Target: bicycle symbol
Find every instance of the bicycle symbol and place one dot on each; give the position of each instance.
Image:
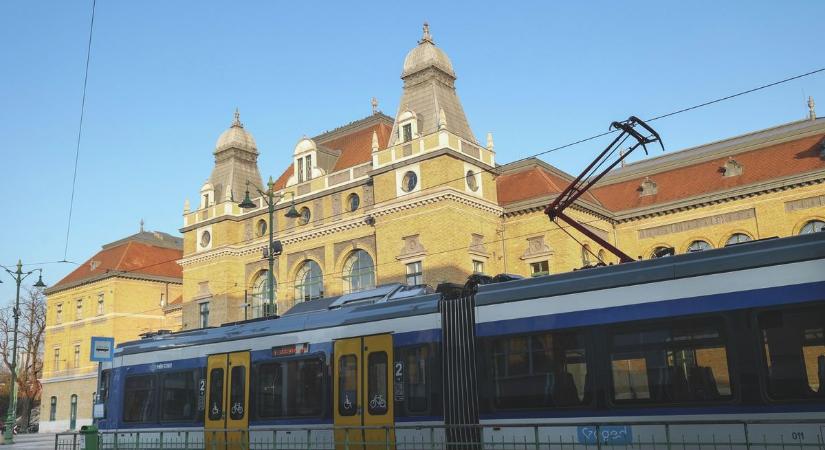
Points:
(237, 409)
(347, 403)
(378, 402)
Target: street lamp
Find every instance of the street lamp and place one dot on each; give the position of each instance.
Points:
(274, 248)
(18, 276)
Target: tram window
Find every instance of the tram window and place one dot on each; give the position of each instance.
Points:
(540, 370)
(377, 383)
(216, 394)
(237, 392)
(138, 399)
(347, 385)
(104, 386)
(177, 396)
(794, 346)
(290, 389)
(685, 362)
(415, 367)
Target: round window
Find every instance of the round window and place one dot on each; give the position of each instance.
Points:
(206, 238)
(472, 181)
(261, 227)
(305, 216)
(409, 181)
(353, 201)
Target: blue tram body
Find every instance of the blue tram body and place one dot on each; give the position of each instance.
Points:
(733, 333)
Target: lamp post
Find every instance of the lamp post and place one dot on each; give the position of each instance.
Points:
(18, 276)
(272, 250)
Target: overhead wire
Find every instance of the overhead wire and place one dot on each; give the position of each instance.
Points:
(551, 150)
(79, 131)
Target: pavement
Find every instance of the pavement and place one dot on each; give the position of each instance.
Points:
(33, 441)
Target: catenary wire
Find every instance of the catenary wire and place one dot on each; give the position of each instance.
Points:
(79, 131)
(551, 150)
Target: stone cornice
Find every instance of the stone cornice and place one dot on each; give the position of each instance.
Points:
(404, 203)
(112, 274)
(540, 203)
(433, 154)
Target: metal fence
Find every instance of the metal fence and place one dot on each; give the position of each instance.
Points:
(718, 435)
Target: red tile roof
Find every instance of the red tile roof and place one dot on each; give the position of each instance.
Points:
(355, 147)
(130, 257)
(760, 165)
(534, 182)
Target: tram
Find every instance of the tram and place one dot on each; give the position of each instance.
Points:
(728, 342)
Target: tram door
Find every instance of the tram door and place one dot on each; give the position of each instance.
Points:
(226, 425)
(363, 393)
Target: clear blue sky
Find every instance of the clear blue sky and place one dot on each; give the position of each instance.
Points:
(166, 76)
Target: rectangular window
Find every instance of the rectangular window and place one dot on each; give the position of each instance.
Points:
(216, 394)
(377, 383)
(681, 362)
(56, 361)
(308, 168)
(138, 398)
(100, 304)
(300, 170)
(415, 275)
(539, 268)
(415, 367)
(290, 389)
(407, 132)
(59, 313)
(794, 352)
(77, 356)
(348, 385)
(177, 396)
(540, 370)
(204, 314)
(53, 409)
(478, 266)
(79, 310)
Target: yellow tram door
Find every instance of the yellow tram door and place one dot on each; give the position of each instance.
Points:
(363, 393)
(226, 425)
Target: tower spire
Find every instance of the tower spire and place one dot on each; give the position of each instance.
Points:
(426, 37)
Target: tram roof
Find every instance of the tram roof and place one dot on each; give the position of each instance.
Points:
(396, 300)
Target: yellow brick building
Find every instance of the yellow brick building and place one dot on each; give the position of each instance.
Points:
(130, 287)
(416, 199)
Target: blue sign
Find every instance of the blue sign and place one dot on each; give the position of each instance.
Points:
(605, 434)
(103, 349)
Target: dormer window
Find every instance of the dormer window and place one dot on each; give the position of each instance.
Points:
(407, 126)
(732, 168)
(303, 163)
(648, 187)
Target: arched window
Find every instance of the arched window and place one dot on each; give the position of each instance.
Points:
(260, 294)
(698, 246)
(737, 238)
(814, 226)
(359, 272)
(602, 257)
(309, 282)
(662, 251)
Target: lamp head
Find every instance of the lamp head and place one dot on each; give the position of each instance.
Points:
(40, 283)
(292, 213)
(247, 202)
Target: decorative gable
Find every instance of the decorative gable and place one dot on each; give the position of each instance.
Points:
(732, 168)
(648, 187)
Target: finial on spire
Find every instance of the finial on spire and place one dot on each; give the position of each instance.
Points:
(374, 103)
(442, 119)
(186, 207)
(141, 225)
(374, 141)
(490, 145)
(811, 108)
(426, 37)
(237, 121)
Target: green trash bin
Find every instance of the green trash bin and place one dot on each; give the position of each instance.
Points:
(90, 437)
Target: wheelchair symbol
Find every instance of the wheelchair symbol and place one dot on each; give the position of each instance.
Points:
(347, 402)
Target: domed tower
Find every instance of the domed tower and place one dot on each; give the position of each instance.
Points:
(236, 162)
(429, 102)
